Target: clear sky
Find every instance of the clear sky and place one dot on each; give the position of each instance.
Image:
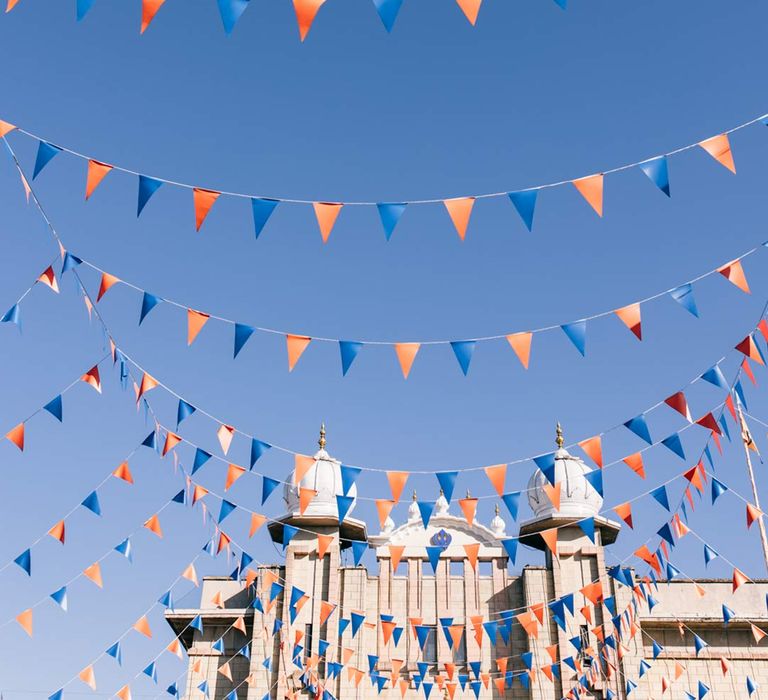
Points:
(436, 109)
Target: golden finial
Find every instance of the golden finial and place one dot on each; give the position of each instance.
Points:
(497, 509)
(442, 493)
(321, 441)
(469, 495)
(414, 495)
(559, 440)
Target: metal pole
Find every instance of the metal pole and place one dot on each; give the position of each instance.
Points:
(746, 439)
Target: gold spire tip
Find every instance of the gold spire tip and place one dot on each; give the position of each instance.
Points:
(559, 439)
(321, 441)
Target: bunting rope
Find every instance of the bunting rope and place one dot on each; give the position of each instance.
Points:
(326, 212)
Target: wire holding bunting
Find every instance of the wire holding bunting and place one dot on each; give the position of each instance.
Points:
(463, 350)
(459, 209)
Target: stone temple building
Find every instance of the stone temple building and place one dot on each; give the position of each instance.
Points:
(461, 624)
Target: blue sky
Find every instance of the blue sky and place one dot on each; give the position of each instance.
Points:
(436, 109)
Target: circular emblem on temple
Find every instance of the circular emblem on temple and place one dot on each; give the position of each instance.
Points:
(440, 539)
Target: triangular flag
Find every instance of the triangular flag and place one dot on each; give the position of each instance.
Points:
(305, 498)
(242, 334)
(389, 213)
(147, 185)
(497, 475)
(719, 147)
(301, 465)
(553, 493)
(395, 554)
(148, 302)
(25, 620)
(48, 278)
(593, 447)
(397, 482)
(16, 436)
(591, 188)
(550, 539)
(195, 322)
(58, 531)
(734, 273)
(630, 317)
(469, 508)
(257, 521)
(296, 345)
(460, 210)
(657, 171)
(525, 203)
(225, 433)
(406, 354)
(107, 281)
(45, 153)
(463, 349)
(635, 463)
(149, 9)
(203, 201)
(624, 511)
(384, 507)
(683, 295)
(306, 11)
(230, 11)
(470, 8)
(142, 626)
(326, 214)
(234, 472)
(93, 572)
(96, 173)
(153, 525)
(577, 334)
(88, 677)
(349, 350)
(472, 551)
(521, 344)
(262, 209)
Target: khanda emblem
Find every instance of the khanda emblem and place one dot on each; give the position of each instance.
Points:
(440, 539)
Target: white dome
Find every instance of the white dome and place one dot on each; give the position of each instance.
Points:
(441, 504)
(498, 526)
(324, 476)
(413, 510)
(577, 497)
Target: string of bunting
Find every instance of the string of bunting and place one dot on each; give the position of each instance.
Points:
(459, 209)
(306, 11)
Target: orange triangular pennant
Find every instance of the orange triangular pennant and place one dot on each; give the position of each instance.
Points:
(5, 127)
(635, 463)
(96, 173)
(521, 344)
(171, 440)
(25, 620)
(88, 677)
(593, 447)
(326, 214)
(323, 542)
(16, 436)
(469, 508)
(107, 281)
(470, 8)
(203, 200)
(225, 433)
(397, 483)
(305, 498)
(190, 574)
(125, 692)
(472, 551)
(93, 572)
(296, 345)
(630, 317)
(497, 475)
(147, 384)
(301, 465)
(149, 9)
(752, 514)
(58, 531)
(48, 278)
(234, 472)
(550, 539)
(624, 511)
(326, 610)
(142, 625)
(719, 147)
(406, 354)
(395, 554)
(306, 11)
(124, 473)
(460, 210)
(734, 273)
(591, 188)
(384, 506)
(195, 322)
(553, 493)
(257, 521)
(757, 633)
(153, 525)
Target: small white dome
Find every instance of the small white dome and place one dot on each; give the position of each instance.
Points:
(577, 497)
(413, 510)
(324, 476)
(441, 505)
(498, 526)
(389, 526)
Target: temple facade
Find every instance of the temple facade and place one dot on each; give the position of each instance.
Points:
(443, 616)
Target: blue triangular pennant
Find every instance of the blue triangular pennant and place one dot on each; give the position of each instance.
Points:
(226, 509)
(262, 210)
(242, 333)
(258, 448)
(289, 531)
(389, 213)
(184, 411)
(55, 408)
(426, 508)
(91, 502)
(358, 549)
(709, 554)
(525, 203)
(639, 427)
(658, 173)
(24, 560)
(343, 504)
(348, 350)
(510, 546)
(116, 653)
(674, 444)
(148, 302)
(660, 494)
(587, 526)
(45, 153)
(512, 502)
(595, 479)
(447, 483)
(433, 553)
(147, 187)
(577, 334)
(60, 597)
(463, 349)
(231, 11)
(348, 477)
(268, 485)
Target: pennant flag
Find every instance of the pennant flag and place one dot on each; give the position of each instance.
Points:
(406, 354)
(433, 554)
(242, 334)
(525, 203)
(16, 436)
(258, 448)
(389, 213)
(577, 334)
(306, 11)
(149, 9)
(709, 554)
(658, 172)
(201, 457)
(301, 465)
(349, 350)
(93, 572)
(384, 508)
(512, 502)
(203, 200)
(288, 533)
(24, 560)
(660, 494)
(195, 322)
(48, 278)
(348, 477)
(45, 153)
(674, 444)
(593, 448)
(171, 440)
(683, 295)
(256, 522)
(624, 511)
(147, 185)
(550, 539)
(469, 508)
(142, 626)
(635, 463)
(226, 509)
(91, 502)
(751, 686)
(13, 315)
(463, 349)
(262, 209)
(358, 549)
(343, 504)
(58, 531)
(460, 210)
(739, 578)
(521, 344)
(591, 188)
(296, 345)
(148, 302)
(472, 551)
(234, 472)
(639, 427)
(553, 493)
(752, 515)
(326, 214)
(719, 148)
(497, 475)
(225, 433)
(470, 8)
(748, 347)
(230, 11)
(718, 489)
(96, 173)
(116, 652)
(191, 575)
(107, 282)
(87, 675)
(630, 317)
(447, 482)
(595, 479)
(425, 509)
(153, 525)
(397, 482)
(734, 273)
